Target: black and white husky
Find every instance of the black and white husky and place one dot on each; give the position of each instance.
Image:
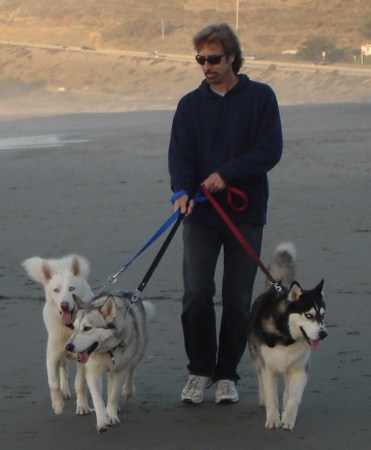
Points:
(284, 326)
(110, 338)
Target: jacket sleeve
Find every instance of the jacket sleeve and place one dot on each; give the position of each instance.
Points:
(182, 151)
(267, 149)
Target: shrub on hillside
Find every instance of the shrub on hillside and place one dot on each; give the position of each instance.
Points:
(366, 28)
(13, 87)
(319, 48)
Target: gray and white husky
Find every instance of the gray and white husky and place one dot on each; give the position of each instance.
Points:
(284, 326)
(61, 279)
(110, 337)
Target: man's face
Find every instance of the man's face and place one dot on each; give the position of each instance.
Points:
(216, 74)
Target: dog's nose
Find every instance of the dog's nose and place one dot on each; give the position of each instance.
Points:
(69, 347)
(65, 306)
(322, 334)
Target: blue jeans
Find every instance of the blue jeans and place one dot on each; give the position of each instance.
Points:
(202, 246)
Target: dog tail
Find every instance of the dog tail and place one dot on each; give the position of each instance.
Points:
(149, 308)
(283, 263)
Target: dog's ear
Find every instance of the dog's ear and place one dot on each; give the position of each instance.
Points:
(47, 271)
(38, 269)
(108, 309)
(79, 266)
(319, 287)
(78, 302)
(295, 292)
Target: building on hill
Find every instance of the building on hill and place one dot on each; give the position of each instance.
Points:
(365, 53)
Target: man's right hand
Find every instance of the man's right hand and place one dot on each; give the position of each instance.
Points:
(184, 204)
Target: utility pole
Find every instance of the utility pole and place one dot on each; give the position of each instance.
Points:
(162, 28)
(237, 12)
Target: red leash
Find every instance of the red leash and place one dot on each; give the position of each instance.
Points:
(234, 229)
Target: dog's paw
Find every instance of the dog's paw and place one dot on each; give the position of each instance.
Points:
(57, 401)
(114, 419)
(128, 392)
(65, 390)
(287, 422)
(287, 426)
(112, 413)
(58, 409)
(271, 425)
(103, 426)
(273, 421)
(83, 410)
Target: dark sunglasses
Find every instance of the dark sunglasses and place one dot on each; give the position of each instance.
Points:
(212, 59)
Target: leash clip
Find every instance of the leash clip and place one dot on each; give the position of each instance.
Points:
(276, 286)
(135, 297)
(113, 278)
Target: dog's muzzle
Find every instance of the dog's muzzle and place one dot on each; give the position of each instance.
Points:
(314, 344)
(66, 314)
(82, 357)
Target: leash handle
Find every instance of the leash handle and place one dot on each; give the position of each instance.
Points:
(238, 234)
(231, 190)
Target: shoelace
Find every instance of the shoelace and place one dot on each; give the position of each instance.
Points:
(196, 383)
(226, 387)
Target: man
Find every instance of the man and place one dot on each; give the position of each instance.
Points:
(225, 133)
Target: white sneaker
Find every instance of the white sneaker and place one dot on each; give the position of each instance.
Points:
(226, 392)
(194, 390)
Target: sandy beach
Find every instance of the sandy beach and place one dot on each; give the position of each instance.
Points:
(97, 185)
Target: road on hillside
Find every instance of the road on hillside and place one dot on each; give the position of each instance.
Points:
(341, 69)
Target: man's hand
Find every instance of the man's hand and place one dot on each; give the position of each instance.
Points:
(184, 204)
(214, 183)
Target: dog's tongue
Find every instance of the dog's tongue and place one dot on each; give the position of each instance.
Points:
(314, 345)
(66, 317)
(83, 357)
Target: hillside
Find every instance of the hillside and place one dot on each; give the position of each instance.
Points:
(265, 28)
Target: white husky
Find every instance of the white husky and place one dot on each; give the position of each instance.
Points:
(110, 337)
(61, 279)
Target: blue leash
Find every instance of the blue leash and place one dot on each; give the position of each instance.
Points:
(157, 234)
(176, 216)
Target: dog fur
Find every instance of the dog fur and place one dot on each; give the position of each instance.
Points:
(284, 326)
(61, 279)
(110, 337)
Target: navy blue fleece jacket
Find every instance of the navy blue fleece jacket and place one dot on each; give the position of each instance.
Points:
(238, 135)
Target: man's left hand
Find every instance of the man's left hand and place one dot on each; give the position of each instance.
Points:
(214, 183)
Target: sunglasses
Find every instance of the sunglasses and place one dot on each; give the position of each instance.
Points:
(212, 59)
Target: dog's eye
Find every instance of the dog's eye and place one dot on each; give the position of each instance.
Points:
(71, 289)
(56, 290)
(87, 328)
(309, 316)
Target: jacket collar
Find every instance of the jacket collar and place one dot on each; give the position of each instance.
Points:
(205, 88)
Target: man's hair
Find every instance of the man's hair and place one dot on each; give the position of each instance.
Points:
(223, 34)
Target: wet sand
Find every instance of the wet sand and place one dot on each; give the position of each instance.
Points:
(97, 185)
